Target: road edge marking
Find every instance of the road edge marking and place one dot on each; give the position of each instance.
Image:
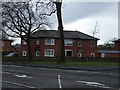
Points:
(18, 84)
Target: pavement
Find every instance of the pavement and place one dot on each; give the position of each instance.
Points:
(87, 68)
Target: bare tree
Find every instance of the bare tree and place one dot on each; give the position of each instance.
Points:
(58, 4)
(21, 19)
(95, 31)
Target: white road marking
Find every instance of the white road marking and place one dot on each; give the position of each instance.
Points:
(22, 76)
(18, 84)
(19, 75)
(59, 81)
(95, 84)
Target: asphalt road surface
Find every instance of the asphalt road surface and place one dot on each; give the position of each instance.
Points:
(33, 77)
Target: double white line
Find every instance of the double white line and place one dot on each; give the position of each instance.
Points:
(59, 82)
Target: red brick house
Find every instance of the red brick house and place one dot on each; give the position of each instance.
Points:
(5, 44)
(16, 48)
(111, 53)
(47, 43)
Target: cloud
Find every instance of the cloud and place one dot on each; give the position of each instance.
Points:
(72, 11)
(83, 16)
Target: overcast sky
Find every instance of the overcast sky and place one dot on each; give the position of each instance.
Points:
(82, 16)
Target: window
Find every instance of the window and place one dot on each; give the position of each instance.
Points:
(92, 43)
(49, 53)
(37, 53)
(68, 42)
(102, 55)
(2, 43)
(92, 55)
(80, 43)
(37, 42)
(79, 54)
(68, 52)
(24, 53)
(49, 41)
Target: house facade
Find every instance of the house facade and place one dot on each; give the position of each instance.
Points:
(5, 44)
(47, 43)
(111, 53)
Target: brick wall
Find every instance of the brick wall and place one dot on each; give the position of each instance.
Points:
(86, 47)
(117, 46)
(7, 45)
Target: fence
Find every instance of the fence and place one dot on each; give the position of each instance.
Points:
(67, 59)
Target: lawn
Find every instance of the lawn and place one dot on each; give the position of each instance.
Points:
(77, 63)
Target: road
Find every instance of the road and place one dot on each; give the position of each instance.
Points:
(14, 76)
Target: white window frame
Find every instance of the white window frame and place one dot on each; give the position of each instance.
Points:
(103, 55)
(68, 50)
(51, 53)
(37, 53)
(80, 45)
(79, 54)
(37, 42)
(23, 53)
(52, 41)
(93, 54)
(68, 41)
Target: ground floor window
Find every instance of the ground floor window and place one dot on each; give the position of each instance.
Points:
(49, 53)
(24, 53)
(37, 53)
(79, 54)
(92, 54)
(68, 52)
(102, 55)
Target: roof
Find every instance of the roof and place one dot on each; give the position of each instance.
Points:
(67, 34)
(5, 39)
(117, 40)
(107, 51)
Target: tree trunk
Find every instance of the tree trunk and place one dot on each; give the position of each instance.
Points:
(60, 28)
(29, 50)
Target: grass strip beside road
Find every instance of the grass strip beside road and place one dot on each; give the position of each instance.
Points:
(77, 63)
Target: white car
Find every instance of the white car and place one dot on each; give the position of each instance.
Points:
(9, 55)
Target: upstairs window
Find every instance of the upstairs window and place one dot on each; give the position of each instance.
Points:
(80, 43)
(49, 41)
(68, 42)
(37, 42)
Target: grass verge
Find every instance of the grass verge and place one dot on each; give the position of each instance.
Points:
(77, 63)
